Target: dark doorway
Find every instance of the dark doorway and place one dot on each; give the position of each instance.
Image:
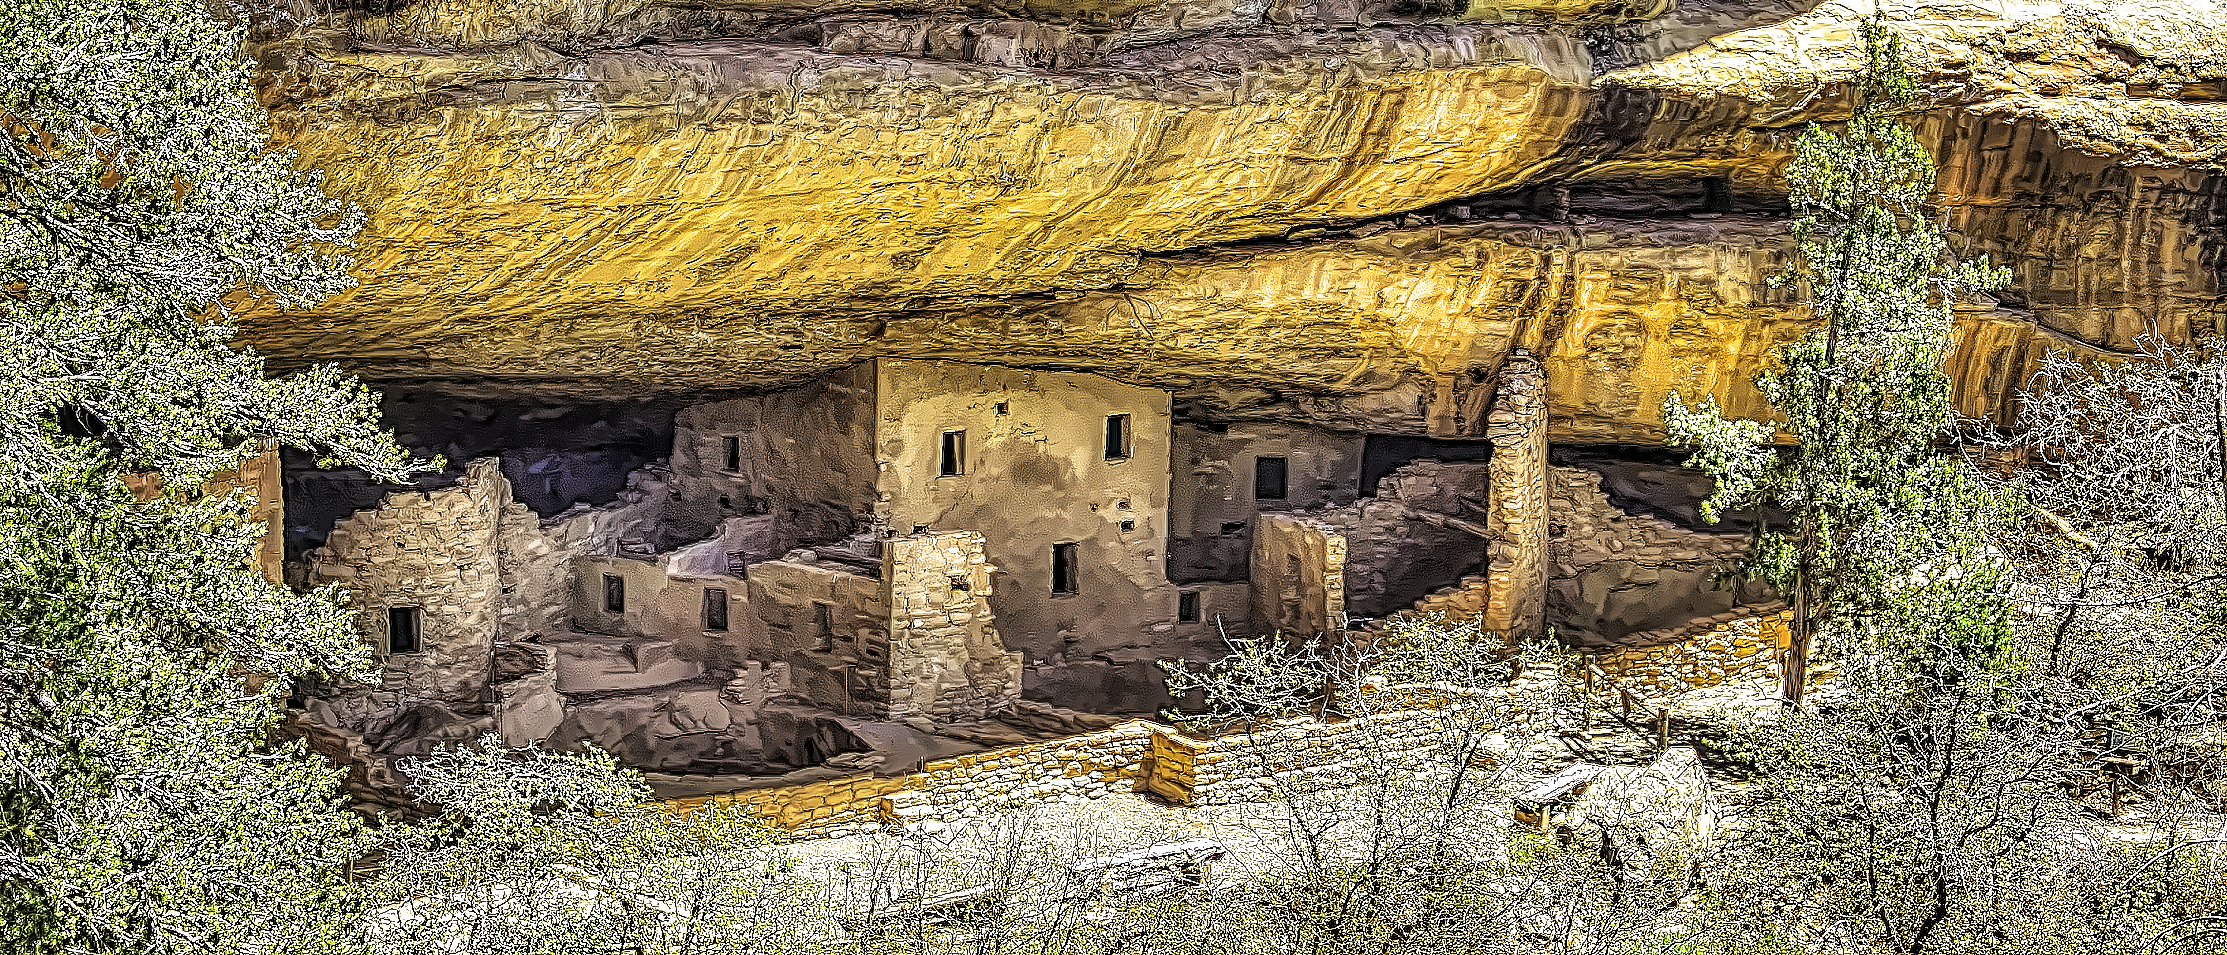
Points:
(402, 629)
(1271, 479)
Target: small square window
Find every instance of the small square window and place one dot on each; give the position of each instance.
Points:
(952, 462)
(959, 583)
(730, 453)
(402, 629)
(1187, 606)
(1127, 526)
(614, 593)
(1065, 580)
(1117, 437)
(715, 608)
(1271, 478)
(1003, 407)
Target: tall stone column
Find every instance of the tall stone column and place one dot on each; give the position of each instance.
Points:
(1517, 427)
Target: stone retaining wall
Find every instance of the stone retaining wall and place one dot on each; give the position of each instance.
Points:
(1298, 753)
(1743, 648)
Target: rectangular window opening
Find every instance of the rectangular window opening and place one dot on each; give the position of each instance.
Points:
(1064, 578)
(730, 453)
(715, 608)
(614, 593)
(823, 623)
(402, 629)
(1117, 437)
(953, 461)
(1187, 606)
(1004, 407)
(1271, 477)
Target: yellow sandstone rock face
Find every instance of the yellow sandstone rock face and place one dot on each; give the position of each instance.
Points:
(728, 179)
(1294, 209)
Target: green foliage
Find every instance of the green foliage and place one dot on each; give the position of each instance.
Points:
(1864, 397)
(145, 805)
(538, 852)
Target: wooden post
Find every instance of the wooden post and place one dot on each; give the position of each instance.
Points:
(2113, 780)
(1625, 696)
(1590, 666)
(1662, 729)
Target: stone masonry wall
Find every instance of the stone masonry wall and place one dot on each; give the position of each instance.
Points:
(1738, 649)
(1460, 603)
(537, 555)
(434, 550)
(1298, 575)
(1517, 427)
(1624, 579)
(1423, 530)
(945, 660)
(1138, 755)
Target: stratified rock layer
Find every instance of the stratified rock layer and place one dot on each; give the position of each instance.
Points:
(1277, 210)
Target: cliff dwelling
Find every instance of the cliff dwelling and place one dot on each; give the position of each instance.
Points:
(826, 391)
(906, 559)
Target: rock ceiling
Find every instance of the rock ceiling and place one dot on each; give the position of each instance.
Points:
(1344, 211)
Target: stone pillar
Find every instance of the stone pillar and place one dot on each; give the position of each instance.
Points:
(1517, 428)
(946, 663)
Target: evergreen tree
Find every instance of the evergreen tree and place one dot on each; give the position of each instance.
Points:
(142, 804)
(1864, 397)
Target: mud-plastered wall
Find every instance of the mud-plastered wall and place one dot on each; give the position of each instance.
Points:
(831, 625)
(1217, 471)
(803, 456)
(1298, 576)
(1071, 504)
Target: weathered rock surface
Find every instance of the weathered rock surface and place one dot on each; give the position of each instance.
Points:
(1273, 208)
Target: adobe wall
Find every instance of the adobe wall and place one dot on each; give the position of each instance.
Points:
(435, 550)
(1210, 492)
(945, 660)
(1298, 575)
(1037, 475)
(807, 460)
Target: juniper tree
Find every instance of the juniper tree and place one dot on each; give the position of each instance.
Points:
(142, 804)
(1864, 397)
